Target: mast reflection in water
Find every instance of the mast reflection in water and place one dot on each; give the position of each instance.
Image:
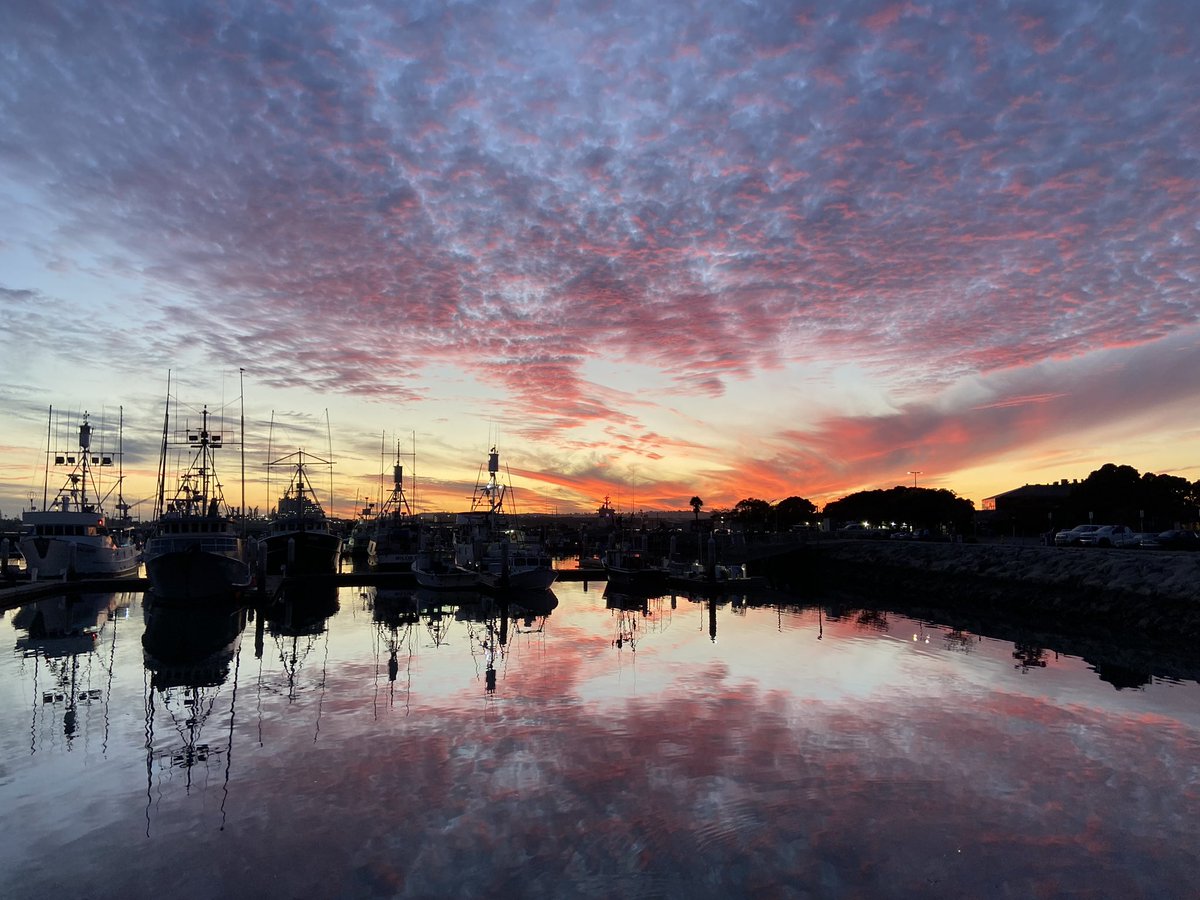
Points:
(188, 651)
(389, 741)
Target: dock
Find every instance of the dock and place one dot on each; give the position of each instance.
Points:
(21, 591)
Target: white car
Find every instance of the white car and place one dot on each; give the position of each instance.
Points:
(1072, 537)
(1110, 536)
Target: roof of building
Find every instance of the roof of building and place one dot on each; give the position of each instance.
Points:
(1057, 491)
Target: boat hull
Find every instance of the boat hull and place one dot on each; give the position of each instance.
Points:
(636, 579)
(302, 552)
(57, 557)
(518, 579)
(441, 574)
(193, 573)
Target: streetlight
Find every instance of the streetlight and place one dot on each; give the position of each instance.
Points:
(914, 475)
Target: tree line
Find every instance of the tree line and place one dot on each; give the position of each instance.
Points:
(1113, 494)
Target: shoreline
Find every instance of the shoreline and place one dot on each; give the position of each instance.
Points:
(1152, 595)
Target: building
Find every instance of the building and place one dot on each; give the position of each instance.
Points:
(1031, 508)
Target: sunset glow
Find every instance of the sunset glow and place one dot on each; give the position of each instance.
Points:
(648, 251)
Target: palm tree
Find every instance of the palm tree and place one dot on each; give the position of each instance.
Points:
(695, 503)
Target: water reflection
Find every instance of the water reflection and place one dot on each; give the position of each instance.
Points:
(637, 614)
(297, 622)
(188, 651)
(72, 663)
(397, 617)
(814, 746)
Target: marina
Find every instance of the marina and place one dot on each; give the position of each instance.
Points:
(802, 398)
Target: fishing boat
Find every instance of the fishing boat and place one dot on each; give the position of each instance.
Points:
(632, 568)
(718, 578)
(197, 550)
(358, 543)
(486, 543)
(393, 546)
(300, 541)
(71, 535)
(436, 569)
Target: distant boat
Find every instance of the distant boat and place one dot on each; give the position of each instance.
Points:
(72, 535)
(633, 568)
(300, 541)
(436, 569)
(196, 551)
(719, 578)
(486, 543)
(358, 543)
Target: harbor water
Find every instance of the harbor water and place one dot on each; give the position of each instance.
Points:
(368, 742)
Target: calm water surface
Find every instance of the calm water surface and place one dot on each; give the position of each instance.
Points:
(374, 743)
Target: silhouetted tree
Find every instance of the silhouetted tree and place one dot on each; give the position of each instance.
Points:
(794, 510)
(751, 511)
(1119, 495)
(919, 507)
(695, 503)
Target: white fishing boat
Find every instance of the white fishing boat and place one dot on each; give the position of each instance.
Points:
(437, 570)
(486, 543)
(71, 535)
(197, 550)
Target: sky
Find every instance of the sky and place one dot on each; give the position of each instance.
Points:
(649, 251)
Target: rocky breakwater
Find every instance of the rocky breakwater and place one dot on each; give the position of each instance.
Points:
(1155, 593)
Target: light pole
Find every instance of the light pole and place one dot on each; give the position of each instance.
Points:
(914, 474)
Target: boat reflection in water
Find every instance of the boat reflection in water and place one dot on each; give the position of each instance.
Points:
(297, 620)
(188, 644)
(188, 649)
(72, 661)
(492, 619)
(636, 612)
(397, 616)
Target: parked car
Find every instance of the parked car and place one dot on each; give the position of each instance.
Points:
(1069, 537)
(1109, 536)
(858, 530)
(1178, 539)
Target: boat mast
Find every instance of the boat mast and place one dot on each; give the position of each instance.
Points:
(49, 451)
(270, 438)
(85, 449)
(205, 461)
(329, 435)
(160, 500)
(122, 506)
(242, 441)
